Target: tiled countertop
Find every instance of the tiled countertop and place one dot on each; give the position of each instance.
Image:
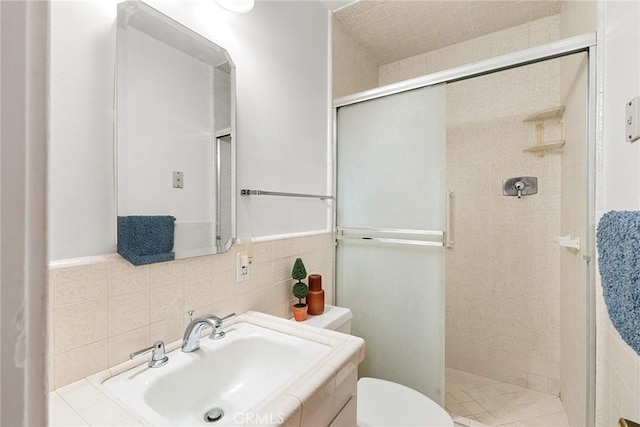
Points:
(86, 402)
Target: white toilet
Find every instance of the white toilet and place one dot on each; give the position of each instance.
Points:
(380, 402)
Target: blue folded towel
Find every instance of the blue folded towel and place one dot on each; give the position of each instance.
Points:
(618, 240)
(146, 239)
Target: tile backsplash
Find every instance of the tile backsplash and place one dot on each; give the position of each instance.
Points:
(103, 308)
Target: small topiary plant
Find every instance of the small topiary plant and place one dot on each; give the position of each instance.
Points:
(300, 290)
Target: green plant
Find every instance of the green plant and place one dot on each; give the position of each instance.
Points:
(300, 290)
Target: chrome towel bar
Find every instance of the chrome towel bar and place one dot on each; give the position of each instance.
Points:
(246, 192)
(364, 234)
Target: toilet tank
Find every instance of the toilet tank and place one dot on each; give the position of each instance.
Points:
(334, 318)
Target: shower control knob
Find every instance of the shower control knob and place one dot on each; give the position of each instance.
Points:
(519, 186)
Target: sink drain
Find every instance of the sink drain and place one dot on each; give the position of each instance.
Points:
(213, 415)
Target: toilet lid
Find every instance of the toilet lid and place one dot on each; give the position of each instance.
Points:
(384, 403)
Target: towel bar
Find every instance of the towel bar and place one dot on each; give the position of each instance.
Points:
(246, 192)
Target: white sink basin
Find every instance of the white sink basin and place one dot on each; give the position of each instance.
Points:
(238, 374)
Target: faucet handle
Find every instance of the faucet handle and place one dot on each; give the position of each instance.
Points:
(217, 332)
(217, 321)
(158, 356)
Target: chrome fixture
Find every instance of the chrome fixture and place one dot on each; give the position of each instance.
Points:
(158, 357)
(413, 236)
(246, 192)
(191, 339)
(217, 331)
(520, 186)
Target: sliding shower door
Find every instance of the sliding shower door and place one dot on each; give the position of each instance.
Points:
(390, 222)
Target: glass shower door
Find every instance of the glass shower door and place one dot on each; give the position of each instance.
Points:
(390, 220)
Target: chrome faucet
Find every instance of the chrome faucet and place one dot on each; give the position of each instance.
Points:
(217, 331)
(191, 339)
(158, 356)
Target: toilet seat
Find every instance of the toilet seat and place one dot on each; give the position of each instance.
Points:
(384, 403)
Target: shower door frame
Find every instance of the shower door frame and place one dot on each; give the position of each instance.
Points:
(586, 43)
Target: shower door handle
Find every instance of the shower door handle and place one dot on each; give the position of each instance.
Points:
(448, 238)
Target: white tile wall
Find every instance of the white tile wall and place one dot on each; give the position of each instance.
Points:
(103, 308)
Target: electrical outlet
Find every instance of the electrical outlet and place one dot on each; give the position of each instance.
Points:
(242, 267)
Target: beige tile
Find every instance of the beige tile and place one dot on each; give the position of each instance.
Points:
(199, 266)
(280, 248)
(458, 409)
(226, 261)
(538, 383)
(81, 394)
(558, 419)
(473, 407)
(74, 420)
(59, 409)
(493, 403)
(167, 330)
(502, 416)
(263, 252)
(79, 363)
(166, 272)
(460, 396)
(128, 311)
(263, 274)
(125, 277)
(129, 422)
(198, 292)
(121, 346)
(282, 269)
(80, 284)
(106, 413)
(449, 399)
(168, 301)
(223, 285)
(264, 300)
(78, 325)
(475, 394)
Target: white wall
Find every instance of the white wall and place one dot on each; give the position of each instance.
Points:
(618, 366)
(281, 54)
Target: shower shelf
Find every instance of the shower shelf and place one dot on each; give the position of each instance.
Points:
(551, 113)
(547, 146)
(541, 147)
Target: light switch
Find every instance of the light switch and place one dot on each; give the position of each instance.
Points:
(178, 179)
(632, 119)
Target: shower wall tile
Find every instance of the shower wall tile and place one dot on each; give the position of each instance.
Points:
(354, 70)
(502, 276)
(523, 36)
(104, 308)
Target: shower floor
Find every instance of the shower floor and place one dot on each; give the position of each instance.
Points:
(495, 403)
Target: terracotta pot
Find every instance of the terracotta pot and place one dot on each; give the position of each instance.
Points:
(300, 313)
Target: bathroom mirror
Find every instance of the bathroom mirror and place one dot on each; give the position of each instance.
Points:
(175, 139)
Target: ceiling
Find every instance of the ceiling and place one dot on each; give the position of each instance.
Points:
(391, 30)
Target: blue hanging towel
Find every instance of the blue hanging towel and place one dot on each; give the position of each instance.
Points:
(146, 239)
(618, 240)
